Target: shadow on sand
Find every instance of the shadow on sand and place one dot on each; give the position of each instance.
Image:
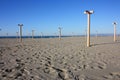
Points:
(105, 43)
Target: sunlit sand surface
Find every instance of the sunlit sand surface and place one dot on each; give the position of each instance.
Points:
(65, 59)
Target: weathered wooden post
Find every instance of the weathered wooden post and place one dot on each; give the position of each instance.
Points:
(114, 23)
(20, 25)
(59, 33)
(88, 28)
(33, 34)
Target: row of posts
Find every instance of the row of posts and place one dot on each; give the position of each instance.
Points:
(88, 29)
(20, 25)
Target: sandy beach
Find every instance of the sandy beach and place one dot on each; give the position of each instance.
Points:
(65, 59)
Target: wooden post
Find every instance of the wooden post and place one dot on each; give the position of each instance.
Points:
(17, 35)
(59, 33)
(6, 35)
(96, 34)
(88, 27)
(41, 34)
(20, 25)
(32, 34)
(88, 32)
(114, 31)
(72, 34)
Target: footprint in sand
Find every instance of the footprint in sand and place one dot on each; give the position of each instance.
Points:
(98, 65)
(113, 76)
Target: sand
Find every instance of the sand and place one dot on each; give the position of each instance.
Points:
(54, 59)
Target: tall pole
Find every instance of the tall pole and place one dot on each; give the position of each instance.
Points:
(6, 35)
(41, 34)
(17, 35)
(54, 34)
(88, 31)
(32, 34)
(114, 31)
(88, 27)
(0, 30)
(85, 34)
(20, 25)
(59, 33)
(72, 34)
(96, 34)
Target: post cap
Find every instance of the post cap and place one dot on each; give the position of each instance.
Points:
(89, 12)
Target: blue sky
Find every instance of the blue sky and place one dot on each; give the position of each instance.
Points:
(46, 15)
